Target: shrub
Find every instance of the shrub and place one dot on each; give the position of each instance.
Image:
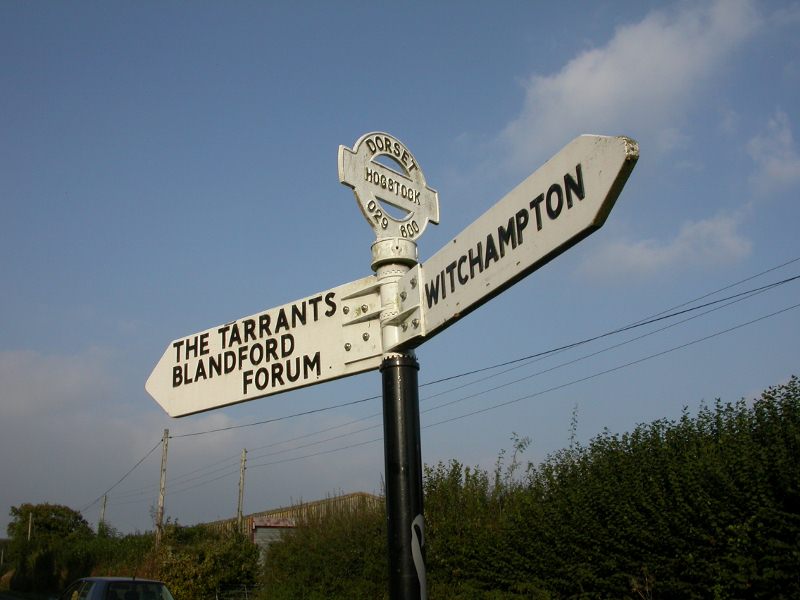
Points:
(339, 555)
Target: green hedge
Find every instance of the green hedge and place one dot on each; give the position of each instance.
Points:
(707, 506)
(341, 555)
(195, 562)
(702, 507)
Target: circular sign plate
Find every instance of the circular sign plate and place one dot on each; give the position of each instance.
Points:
(376, 185)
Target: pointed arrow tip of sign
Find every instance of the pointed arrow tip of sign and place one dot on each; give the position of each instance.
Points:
(631, 147)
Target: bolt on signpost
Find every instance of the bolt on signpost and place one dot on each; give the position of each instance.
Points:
(376, 322)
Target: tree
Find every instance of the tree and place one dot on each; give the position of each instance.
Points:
(56, 549)
(50, 521)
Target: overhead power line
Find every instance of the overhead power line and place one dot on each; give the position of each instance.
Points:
(542, 392)
(276, 419)
(519, 362)
(616, 368)
(121, 479)
(664, 315)
(740, 298)
(513, 364)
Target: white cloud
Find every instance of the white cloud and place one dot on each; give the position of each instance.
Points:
(643, 82)
(638, 84)
(35, 384)
(729, 122)
(710, 242)
(775, 155)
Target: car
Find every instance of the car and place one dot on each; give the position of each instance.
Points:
(116, 588)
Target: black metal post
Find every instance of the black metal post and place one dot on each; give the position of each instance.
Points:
(403, 458)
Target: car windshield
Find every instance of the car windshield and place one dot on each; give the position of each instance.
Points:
(137, 590)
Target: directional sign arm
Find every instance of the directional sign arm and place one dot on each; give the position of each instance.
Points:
(319, 338)
(560, 204)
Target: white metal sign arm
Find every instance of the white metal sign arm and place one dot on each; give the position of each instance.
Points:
(561, 203)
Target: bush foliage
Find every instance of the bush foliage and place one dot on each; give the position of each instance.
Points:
(195, 562)
(56, 550)
(702, 507)
(707, 506)
(340, 555)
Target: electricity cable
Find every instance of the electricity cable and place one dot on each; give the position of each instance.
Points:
(121, 479)
(656, 318)
(666, 314)
(515, 400)
(527, 377)
(545, 391)
(517, 362)
(613, 369)
(590, 355)
(733, 299)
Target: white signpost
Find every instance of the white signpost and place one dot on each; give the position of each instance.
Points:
(320, 338)
(338, 332)
(556, 207)
(376, 322)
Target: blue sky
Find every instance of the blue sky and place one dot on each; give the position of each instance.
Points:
(165, 168)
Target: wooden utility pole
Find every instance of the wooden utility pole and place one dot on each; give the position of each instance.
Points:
(241, 490)
(103, 511)
(30, 524)
(162, 488)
